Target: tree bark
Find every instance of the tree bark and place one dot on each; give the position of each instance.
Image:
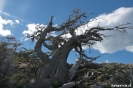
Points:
(56, 68)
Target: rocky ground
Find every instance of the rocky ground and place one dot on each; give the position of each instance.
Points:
(90, 75)
(102, 75)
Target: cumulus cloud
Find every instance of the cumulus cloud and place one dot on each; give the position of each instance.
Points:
(129, 48)
(3, 24)
(118, 41)
(17, 21)
(31, 29)
(5, 32)
(111, 44)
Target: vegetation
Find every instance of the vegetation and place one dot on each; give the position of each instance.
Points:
(104, 75)
(24, 70)
(17, 68)
(38, 69)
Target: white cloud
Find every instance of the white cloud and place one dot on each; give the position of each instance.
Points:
(31, 29)
(5, 32)
(3, 24)
(17, 21)
(118, 42)
(68, 35)
(111, 44)
(129, 48)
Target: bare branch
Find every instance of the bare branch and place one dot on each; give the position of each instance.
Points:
(50, 47)
(51, 23)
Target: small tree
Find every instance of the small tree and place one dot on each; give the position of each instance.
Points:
(29, 57)
(55, 68)
(8, 46)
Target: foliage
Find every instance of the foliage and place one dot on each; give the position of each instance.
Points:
(27, 66)
(57, 84)
(23, 66)
(18, 80)
(8, 46)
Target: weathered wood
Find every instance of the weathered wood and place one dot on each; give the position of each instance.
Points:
(55, 68)
(68, 85)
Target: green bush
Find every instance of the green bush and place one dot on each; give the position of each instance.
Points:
(57, 84)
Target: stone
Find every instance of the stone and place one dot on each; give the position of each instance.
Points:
(68, 85)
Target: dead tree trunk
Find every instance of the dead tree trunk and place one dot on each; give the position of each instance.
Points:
(55, 69)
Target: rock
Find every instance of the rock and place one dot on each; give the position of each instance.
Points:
(68, 85)
(95, 86)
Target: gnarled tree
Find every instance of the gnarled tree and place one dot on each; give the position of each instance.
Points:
(55, 64)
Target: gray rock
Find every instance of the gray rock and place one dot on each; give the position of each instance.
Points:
(68, 85)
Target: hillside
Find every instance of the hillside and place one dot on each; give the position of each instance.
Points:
(104, 75)
(100, 74)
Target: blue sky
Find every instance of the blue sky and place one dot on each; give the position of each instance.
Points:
(20, 17)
